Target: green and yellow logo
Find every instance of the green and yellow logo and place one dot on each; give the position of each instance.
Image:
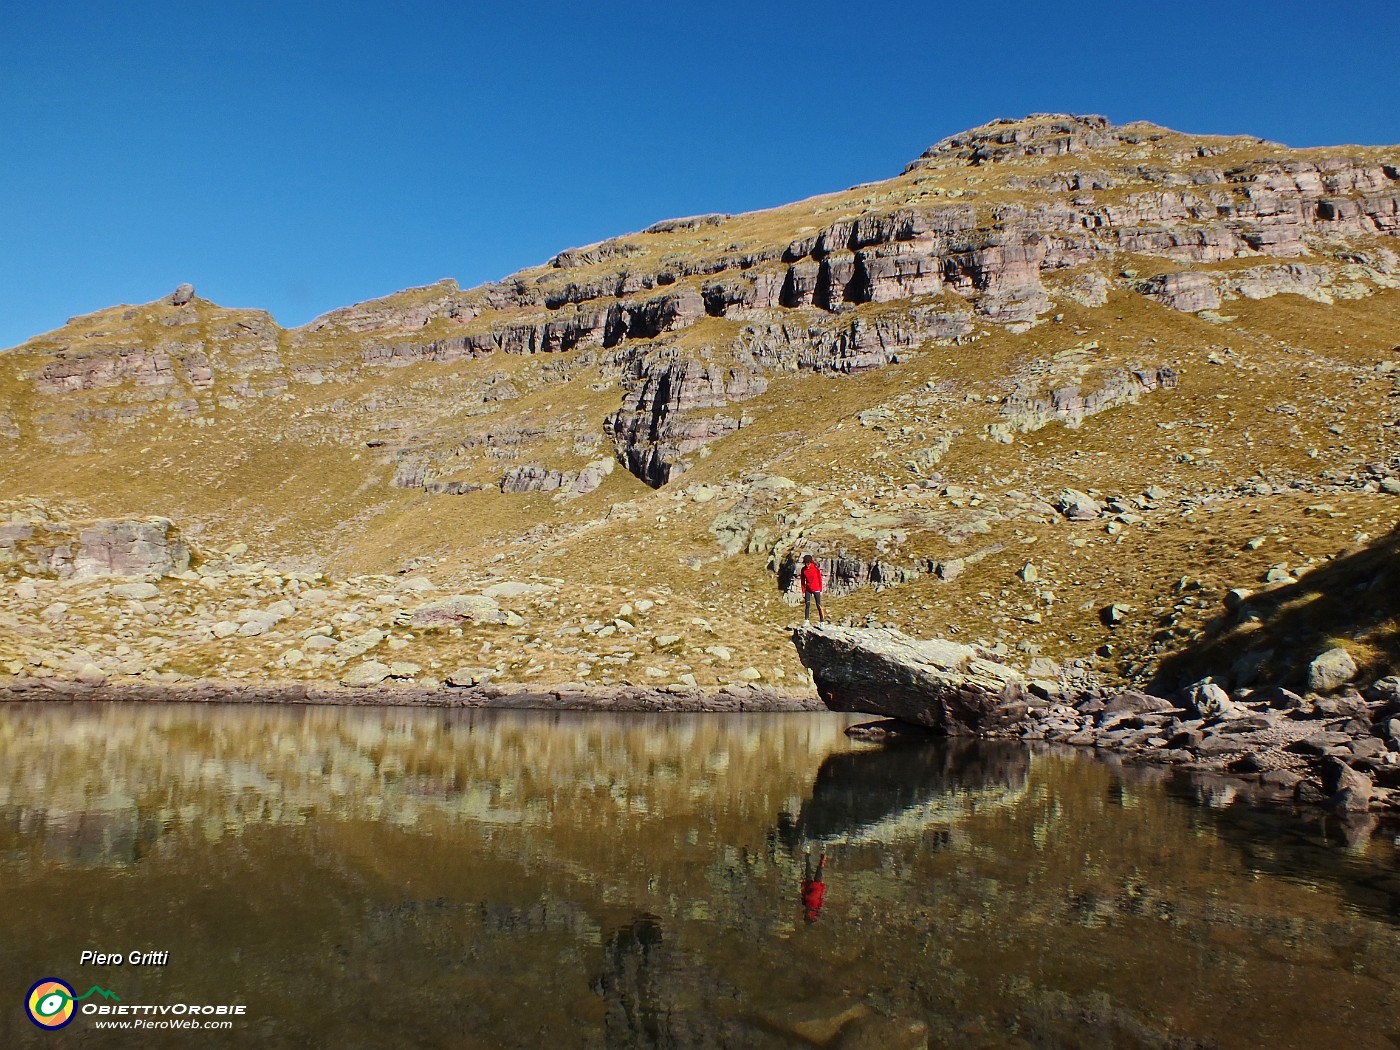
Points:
(50, 1002)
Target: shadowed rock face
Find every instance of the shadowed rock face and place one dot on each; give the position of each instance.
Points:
(952, 688)
(661, 419)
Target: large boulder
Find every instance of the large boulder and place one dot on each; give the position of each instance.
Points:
(1078, 506)
(458, 609)
(949, 687)
(1130, 701)
(1330, 671)
(131, 548)
(363, 676)
(1206, 699)
(358, 645)
(1346, 788)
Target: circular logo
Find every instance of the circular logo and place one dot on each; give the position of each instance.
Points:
(50, 1003)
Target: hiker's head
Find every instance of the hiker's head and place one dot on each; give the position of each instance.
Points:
(806, 559)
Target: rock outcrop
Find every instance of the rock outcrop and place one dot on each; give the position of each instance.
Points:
(1026, 412)
(814, 342)
(674, 408)
(131, 548)
(844, 573)
(534, 478)
(110, 547)
(955, 689)
(456, 610)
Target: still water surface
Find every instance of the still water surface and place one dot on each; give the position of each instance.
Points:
(416, 878)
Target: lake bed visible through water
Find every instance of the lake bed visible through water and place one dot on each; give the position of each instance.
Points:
(390, 877)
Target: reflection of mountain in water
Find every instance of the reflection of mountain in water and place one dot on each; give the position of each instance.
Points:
(94, 785)
(610, 883)
(892, 792)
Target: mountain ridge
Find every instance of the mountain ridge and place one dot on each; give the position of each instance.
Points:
(1040, 134)
(905, 378)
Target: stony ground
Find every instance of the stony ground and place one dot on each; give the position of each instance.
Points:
(236, 620)
(1341, 751)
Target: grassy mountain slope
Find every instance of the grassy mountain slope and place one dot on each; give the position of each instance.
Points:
(902, 379)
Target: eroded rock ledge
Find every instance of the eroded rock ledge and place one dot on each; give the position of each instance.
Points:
(953, 688)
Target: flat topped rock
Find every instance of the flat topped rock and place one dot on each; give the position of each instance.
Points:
(950, 687)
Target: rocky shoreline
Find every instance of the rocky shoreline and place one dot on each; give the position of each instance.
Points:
(620, 700)
(1336, 751)
(1339, 749)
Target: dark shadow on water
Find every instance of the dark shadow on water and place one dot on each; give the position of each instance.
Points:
(659, 996)
(635, 1009)
(858, 792)
(1351, 855)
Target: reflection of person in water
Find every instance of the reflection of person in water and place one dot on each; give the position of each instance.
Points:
(813, 889)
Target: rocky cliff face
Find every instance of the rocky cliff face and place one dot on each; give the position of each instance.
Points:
(661, 419)
(1193, 335)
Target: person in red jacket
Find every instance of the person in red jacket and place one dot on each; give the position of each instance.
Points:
(813, 890)
(811, 588)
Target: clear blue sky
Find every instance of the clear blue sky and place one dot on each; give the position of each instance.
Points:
(302, 155)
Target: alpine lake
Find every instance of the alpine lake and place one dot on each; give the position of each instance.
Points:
(395, 877)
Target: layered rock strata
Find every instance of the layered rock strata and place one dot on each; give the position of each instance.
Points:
(676, 407)
(1080, 205)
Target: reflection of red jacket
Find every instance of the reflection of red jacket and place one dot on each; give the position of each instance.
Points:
(811, 579)
(813, 897)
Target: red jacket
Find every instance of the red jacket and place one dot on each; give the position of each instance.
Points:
(811, 578)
